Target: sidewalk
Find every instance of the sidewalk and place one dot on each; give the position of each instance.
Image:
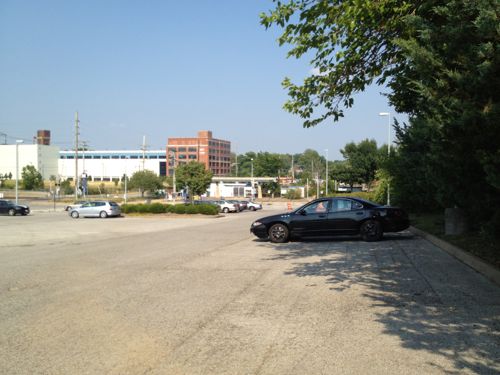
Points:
(477, 264)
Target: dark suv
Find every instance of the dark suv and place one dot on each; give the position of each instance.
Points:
(11, 208)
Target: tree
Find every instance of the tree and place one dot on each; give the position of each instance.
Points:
(267, 164)
(32, 179)
(145, 181)
(194, 176)
(362, 160)
(311, 164)
(353, 43)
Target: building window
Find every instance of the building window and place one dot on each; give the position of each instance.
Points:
(192, 157)
(182, 149)
(181, 156)
(192, 149)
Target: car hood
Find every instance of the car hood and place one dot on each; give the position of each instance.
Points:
(267, 219)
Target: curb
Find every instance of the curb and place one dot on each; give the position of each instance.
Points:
(477, 264)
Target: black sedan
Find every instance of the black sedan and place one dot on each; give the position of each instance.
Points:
(330, 217)
(11, 208)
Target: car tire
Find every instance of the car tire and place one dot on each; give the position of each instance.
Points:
(252, 208)
(278, 233)
(75, 215)
(225, 210)
(371, 230)
(12, 212)
(103, 215)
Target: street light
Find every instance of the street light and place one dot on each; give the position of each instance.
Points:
(17, 169)
(326, 190)
(388, 152)
(251, 175)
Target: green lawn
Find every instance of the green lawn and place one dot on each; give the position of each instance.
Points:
(483, 246)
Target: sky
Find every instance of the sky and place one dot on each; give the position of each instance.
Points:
(161, 69)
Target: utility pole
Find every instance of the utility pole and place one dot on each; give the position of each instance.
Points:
(76, 155)
(293, 172)
(236, 165)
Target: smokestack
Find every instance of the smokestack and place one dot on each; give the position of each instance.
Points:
(43, 137)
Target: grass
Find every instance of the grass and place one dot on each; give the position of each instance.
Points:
(482, 245)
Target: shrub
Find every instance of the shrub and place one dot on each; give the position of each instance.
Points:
(157, 208)
(293, 194)
(208, 209)
(180, 209)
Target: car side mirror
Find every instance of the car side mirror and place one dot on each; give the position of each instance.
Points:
(303, 213)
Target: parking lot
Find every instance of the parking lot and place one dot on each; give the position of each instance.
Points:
(185, 295)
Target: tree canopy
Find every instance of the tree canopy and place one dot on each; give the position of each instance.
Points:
(441, 62)
(194, 176)
(32, 179)
(145, 181)
(353, 43)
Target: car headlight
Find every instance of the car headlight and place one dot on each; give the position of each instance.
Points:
(256, 223)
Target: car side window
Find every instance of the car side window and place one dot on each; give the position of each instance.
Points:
(342, 205)
(317, 207)
(356, 206)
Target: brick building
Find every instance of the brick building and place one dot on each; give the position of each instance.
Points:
(214, 153)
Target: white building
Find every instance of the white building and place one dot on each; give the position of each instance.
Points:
(43, 158)
(111, 165)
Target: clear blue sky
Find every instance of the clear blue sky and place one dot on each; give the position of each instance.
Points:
(160, 69)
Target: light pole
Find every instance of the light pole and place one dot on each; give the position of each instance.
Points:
(251, 175)
(17, 169)
(326, 189)
(388, 152)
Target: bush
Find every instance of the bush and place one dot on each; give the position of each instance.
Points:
(159, 208)
(180, 209)
(208, 209)
(293, 194)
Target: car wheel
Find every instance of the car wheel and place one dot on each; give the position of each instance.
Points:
(75, 215)
(252, 208)
(278, 233)
(12, 212)
(225, 210)
(371, 230)
(103, 214)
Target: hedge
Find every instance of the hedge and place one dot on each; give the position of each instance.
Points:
(160, 208)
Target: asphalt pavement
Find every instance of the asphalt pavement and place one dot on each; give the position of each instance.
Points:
(181, 295)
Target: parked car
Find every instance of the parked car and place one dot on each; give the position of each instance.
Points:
(205, 202)
(240, 206)
(226, 206)
(96, 209)
(243, 205)
(253, 206)
(332, 216)
(77, 204)
(10, 208)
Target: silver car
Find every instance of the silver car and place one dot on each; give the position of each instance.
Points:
(77, 204)
(96, 209)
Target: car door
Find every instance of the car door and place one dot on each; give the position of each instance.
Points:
(312, 220)
(4, 207)
(87, 209)
(344, 216)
